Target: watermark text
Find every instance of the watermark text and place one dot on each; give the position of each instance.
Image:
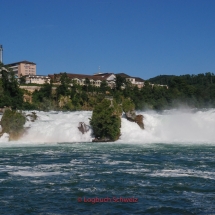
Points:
(95, 200)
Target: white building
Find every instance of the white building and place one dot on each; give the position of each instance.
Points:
(37, 79)
(139, 82)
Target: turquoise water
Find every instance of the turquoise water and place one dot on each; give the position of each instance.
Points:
(159, 178)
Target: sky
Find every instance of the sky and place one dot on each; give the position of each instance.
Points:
(142, 38)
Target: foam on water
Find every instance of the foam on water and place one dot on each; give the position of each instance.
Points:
(187, 126)
(183, 173)
(35, 174)
(4, 138)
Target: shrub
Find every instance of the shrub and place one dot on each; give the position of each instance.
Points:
(127, 105)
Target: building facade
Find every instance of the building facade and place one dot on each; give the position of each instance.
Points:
(135, 81)
(37, 79)
(23, 68)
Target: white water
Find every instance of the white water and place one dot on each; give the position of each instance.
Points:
(170, 126)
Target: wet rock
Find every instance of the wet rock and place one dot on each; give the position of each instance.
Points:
(132, 117)
(139, 120)
(102, 140)
(83, 128)
(32, 116)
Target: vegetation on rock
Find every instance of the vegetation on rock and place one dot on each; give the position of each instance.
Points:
(129, 109)
(128, 105)
(106, 120)
(12, 122)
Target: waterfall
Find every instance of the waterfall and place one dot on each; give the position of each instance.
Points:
(180, 126)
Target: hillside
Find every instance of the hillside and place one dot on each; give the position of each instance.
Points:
(161, 79)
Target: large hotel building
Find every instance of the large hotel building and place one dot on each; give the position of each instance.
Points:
(23, 68)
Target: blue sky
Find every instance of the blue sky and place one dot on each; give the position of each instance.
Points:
(142, 38)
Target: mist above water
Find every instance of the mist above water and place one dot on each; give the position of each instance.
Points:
(175, 126)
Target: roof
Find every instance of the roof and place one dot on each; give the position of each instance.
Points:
(103, 74)
(127, 76)
(25, 61)
(139, 79)
(123, 75)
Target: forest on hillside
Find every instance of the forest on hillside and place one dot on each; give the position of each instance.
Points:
(190, 90)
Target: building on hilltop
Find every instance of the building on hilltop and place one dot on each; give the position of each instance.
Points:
(136, 81)
(23, 68)
(37, 79)
(80, 79)
(97, 79)
(108, 77)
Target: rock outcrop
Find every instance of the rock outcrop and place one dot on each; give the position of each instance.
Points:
(132, 117)
(102, 139)
(32, 116)
(83, 128)
(139, 120)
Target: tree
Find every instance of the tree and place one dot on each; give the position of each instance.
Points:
(104, 87)
(22, 79)
(62, 89)
(12, 94)
(128, 105)
(120, 81)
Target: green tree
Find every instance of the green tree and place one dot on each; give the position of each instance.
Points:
(13, 95)
(120, 81)
(128, 105)
(22, 79)
(63, 88)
